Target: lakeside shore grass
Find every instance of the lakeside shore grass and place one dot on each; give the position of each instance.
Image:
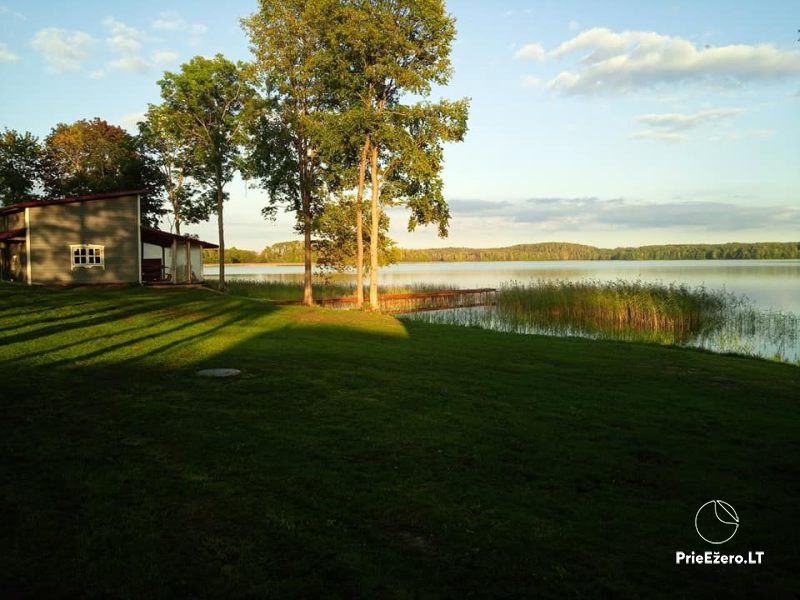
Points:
(358, 456)
(288, 291)
(668, 313)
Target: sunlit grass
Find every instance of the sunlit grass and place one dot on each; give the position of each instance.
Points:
(289, 291)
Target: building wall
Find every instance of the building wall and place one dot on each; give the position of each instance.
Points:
(110, 222)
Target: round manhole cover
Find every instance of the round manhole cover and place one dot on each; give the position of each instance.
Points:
(218, 372)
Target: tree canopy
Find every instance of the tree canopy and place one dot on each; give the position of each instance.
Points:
(20, 166)
(287, 38)
(208, 103)
(161, 139)
(94, 156)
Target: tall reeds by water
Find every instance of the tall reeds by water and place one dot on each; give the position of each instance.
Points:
(635, 311)
(666, 312)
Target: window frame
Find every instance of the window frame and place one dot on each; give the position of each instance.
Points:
(94, 255)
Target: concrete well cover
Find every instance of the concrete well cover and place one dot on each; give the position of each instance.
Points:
(218, 372)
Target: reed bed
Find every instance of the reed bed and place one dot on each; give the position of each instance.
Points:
(660, 311)
(634, 311)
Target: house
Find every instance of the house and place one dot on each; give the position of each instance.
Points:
(92, 239)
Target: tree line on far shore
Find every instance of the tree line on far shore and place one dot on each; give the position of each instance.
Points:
(292, 252)
(332, 119)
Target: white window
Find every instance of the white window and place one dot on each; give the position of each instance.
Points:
(87, 256)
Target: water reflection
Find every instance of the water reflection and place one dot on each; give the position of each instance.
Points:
(769, 284)
(767, 334)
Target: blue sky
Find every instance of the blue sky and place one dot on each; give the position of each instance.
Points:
(608, 123)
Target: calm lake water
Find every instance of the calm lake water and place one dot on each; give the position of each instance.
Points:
(769, 284)
(771, 329)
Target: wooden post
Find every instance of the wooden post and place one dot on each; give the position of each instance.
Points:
(174, 261)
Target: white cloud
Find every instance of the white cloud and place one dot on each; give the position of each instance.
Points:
(63, 50)
(6, 55)
(619, 62)
(123, 39)
(725, 213)
(573, 25)
(129, 64)
(681, 122)
(661, 136)
(619, 213)
(127, 42)
(531, 51)
(172, 21)
(670, 127)
(164, 57)
(96, 74)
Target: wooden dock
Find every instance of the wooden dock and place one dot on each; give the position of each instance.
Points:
(419, 301)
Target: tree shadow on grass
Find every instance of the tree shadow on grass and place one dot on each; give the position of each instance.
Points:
(337, 461)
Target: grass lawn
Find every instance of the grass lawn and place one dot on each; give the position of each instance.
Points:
(358, 456)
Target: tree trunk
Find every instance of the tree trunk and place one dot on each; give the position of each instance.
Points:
(362, 172)
(220, 199)
(308, 295)
(374, 232)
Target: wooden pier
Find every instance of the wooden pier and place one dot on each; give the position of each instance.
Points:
(419, 301)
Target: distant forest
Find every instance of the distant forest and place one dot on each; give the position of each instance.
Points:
(292, 252)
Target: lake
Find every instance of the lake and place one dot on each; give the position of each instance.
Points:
(770, 328)
(769, 284)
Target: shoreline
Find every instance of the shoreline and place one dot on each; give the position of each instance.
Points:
(631, 260)
(256, 264)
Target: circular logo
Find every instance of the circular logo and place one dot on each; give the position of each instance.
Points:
(716, 522)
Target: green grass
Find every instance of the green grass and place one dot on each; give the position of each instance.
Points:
(358, 456)
(284, 291)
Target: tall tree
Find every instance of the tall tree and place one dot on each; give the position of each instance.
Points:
(286, 37)
(337, 246)
(20, 162)
(209, 102)
(93, 156)
(162, 141)
(389, 51)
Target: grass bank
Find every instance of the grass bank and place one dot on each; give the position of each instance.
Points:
(360, 456)
(285, 291)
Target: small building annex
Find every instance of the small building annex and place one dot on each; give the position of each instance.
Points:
(95, 239)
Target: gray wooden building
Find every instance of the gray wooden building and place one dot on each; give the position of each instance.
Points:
(95, 239)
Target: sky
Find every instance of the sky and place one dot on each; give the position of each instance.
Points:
(606, 123)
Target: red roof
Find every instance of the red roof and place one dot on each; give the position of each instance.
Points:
(19, 206)
(164, 238)
(11, 233)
